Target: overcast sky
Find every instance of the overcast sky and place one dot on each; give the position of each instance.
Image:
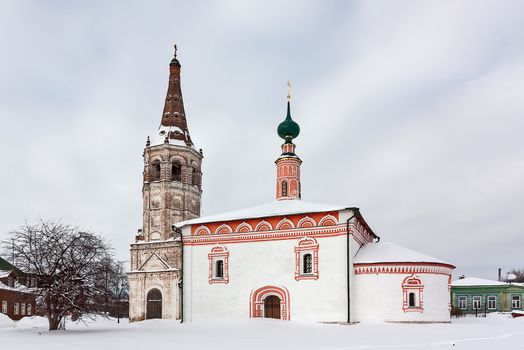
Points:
(411, 110)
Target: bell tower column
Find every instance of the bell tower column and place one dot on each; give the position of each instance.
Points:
(288, 164)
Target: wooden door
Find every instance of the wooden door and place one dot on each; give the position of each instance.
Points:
(272, 307)
(154, 304)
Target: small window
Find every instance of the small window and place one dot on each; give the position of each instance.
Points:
(219, 269)
(16, 309)
(463, 302)
(22, 309)
(155, 170)
(33, 282)
(194, 177)
(4, 307)
(492, 302)
(412, 300)
(29, 309)
(307, 263)
(515, 301)
(176, 172)
(284, 188)
(477, 302)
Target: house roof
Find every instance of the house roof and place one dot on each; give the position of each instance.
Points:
(274, 208)
(473, 281)
(388, 252)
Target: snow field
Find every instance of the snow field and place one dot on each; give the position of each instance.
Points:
(495, 331)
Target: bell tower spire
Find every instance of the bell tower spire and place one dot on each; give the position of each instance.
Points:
(288, 164)
(173, 124)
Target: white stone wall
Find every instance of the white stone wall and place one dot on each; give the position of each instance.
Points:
(140, 283)
(271, 263)
(378, 297)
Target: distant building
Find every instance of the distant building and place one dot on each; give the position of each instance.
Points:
(474, 295)
(16, 298)
(287, 259)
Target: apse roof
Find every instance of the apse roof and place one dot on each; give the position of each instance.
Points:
(274, 208)
(388, 252)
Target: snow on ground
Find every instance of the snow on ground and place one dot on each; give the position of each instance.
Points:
(493, 332)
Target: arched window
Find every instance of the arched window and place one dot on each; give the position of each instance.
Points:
(176, 172)
(284, 188)
(307, 264)
(219, 269)
(194, 177)
(155, 170)
(412, 300)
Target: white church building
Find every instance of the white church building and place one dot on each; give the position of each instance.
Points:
(286, 259)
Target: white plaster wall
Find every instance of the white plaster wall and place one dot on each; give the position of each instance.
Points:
(141, 283)
(257, 264)
(378, 297)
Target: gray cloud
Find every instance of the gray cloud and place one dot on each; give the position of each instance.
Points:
(410, 110)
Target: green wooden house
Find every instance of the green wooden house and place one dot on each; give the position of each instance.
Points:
(475, 295)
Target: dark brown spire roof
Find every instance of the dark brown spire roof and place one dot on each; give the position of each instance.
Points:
(174, 124)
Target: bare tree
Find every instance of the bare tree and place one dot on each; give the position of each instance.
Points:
(70, 266)
(518, 273)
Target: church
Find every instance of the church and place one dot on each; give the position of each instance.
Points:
(287, 259)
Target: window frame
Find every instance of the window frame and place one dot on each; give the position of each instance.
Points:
(22, 309)
(474, 300)
(4, 306)
(518, 300)
(218, 253)
(489, 299)
(412, 284)
(16, 309)
(284, 188)
(462, 298)
(303, 247)
(307, 267)
(29, 309)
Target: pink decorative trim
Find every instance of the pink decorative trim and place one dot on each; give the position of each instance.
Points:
(202, 230)
(256, 301)
(306, 222)
(328, 220)
(304, 246)
(218, 253)
(224, 228)
(244, 227)
(403, 268)
(269, 235)
(263, 226)
(285, 224)
(412, 284)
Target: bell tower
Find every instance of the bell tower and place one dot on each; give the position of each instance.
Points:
(171, 192)
(288, 164)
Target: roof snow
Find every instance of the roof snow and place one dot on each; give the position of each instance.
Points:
(274, 208)
(163, 131)
(473, 281)
(384, 252)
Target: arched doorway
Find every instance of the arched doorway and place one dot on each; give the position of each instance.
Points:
(154, 304)
(270, 301)
(272, 307)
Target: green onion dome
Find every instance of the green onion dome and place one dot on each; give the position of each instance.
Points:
(288, 129)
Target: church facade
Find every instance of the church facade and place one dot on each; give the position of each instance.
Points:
(287, 259)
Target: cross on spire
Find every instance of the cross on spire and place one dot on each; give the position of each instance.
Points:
(175, 49)
(288, 91)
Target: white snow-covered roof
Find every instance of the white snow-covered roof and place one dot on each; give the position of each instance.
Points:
(473, 281)
(387, 252)
(160, 136)
(4, 273)
(274, 208)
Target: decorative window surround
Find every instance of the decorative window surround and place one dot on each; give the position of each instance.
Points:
(462, 302)
(218, 253)
(305, 246)
(516, 301)
(413, 284)
(492, 302)
(477, 302)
